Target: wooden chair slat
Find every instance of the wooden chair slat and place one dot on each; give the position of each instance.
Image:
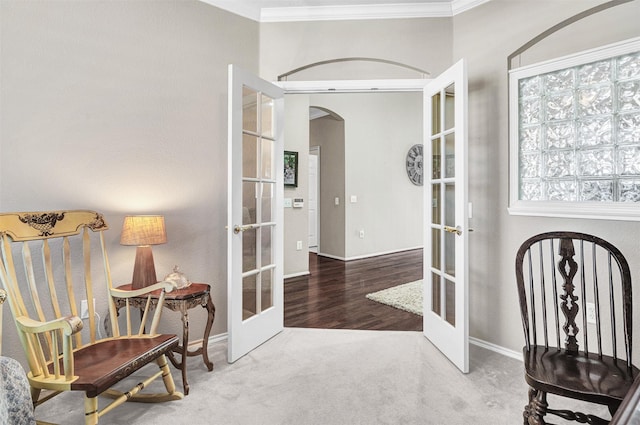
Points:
(113, 311)
(532, 303)
(68, 276)
(554, 280)
(583, 300)
(48, 271)
(88, 283)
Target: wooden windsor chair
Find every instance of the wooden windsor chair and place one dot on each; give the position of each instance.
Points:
(576, 288)
(47, 265)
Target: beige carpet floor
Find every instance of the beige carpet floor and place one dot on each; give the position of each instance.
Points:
(331, 377)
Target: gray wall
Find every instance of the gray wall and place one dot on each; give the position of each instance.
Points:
(422, 43)
(296, 220)
(122, 107)
(379, 130)
(485, 36)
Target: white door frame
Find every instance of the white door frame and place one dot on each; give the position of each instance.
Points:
(361, 86)
(317, 230)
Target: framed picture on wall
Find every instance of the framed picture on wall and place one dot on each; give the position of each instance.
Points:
(291, 168)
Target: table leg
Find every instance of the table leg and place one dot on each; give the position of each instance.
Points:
(211, 314)
(185, 345)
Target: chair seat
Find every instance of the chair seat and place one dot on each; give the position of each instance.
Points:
(587, 377)
(101, 365)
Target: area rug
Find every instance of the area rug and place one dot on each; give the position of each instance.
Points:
(407, 297)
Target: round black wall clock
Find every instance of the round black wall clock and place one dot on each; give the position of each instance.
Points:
(415, 164)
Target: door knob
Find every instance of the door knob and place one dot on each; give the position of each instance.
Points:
(457, 230)
(237, 229)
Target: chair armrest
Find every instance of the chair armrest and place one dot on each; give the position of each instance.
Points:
(165, 285)
(69, 325)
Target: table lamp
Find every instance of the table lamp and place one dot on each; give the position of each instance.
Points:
(143, 231)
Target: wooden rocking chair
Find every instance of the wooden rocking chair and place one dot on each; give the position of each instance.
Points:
(43, 294)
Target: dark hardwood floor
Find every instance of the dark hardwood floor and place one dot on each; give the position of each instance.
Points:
(333, 295)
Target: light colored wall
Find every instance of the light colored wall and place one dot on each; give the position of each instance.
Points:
(485, 36)
(422, 43)
(122, 107)
(379, 130)
(296, 220)
(328, 133)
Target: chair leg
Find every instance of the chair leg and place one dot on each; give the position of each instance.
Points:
(90, 410)
(535, 411)
(166, 374)
(613, 408)
(35, 395)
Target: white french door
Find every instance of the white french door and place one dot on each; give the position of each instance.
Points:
(254, 216)
(446, 288)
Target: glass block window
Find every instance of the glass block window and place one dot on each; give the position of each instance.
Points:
(575, 132)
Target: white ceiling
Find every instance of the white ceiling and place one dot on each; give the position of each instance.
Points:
(319, 10)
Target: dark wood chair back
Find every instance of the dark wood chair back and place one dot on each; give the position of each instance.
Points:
(576, 307)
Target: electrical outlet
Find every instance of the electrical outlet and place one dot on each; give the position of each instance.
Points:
(591, 313)
(361, 234)
(84, 308)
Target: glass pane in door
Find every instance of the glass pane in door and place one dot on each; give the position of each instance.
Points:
(450, 204)
(435, 248)
(435, 294)
(249, 156)
(249, 296)
(249, 196)
(265, 244)
(249, 109)
(450, 302)
(450, 238)
(268, 167)
(450, 155)
(435, 158)
(449, 103)
(249, 250)
(435, 113)
(267, 201)
(450, 253)
(267, 116)
(435, 204)
(267, 289)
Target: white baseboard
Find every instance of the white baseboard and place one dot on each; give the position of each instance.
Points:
(212, 339)
(335, 257)
(374, 254)
(496, 348)
(289, 276)
(475, 341)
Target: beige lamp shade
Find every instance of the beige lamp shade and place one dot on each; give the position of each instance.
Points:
(141, 230)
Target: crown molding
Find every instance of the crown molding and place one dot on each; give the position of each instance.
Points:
(356, 12)
(427, 9)
(237, 8)
(459, 6)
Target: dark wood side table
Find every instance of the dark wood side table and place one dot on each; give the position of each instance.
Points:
(183, 300)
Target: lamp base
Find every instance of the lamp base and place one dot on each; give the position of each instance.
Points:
(144, 270)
